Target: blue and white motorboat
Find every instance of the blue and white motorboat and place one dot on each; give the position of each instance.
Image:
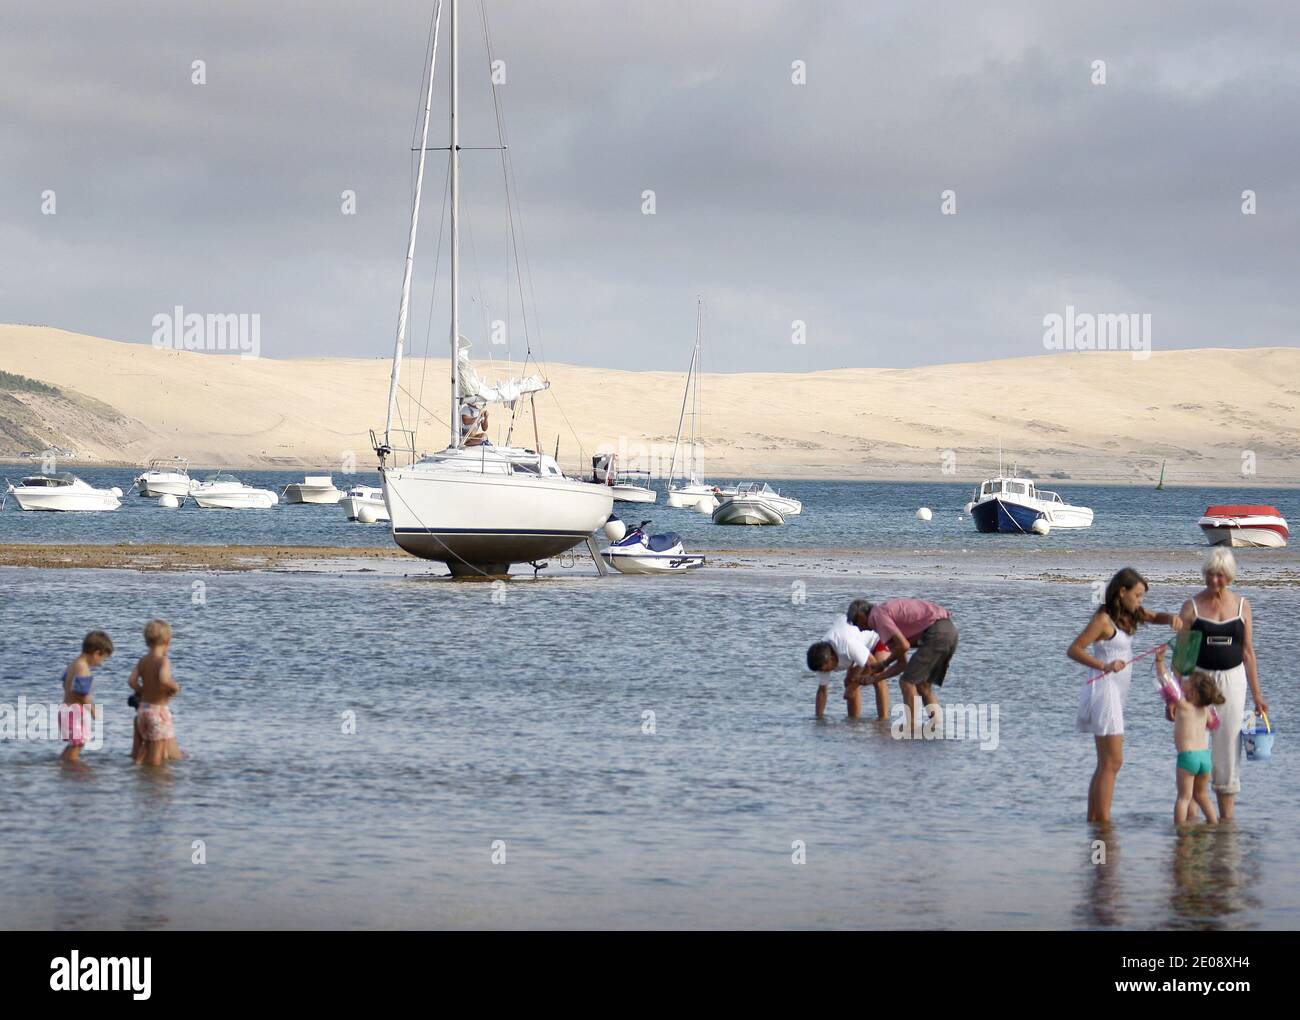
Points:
(635, 552)
(1017, 506)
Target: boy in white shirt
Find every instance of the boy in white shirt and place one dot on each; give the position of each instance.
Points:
(846, 648)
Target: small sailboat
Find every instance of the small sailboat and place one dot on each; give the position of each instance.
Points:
(691, 490)
(476, 507)
(62, 492)
(1161, 484)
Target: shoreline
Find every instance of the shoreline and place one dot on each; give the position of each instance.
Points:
(296, 464)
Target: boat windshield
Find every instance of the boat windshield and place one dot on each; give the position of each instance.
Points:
(221, 477)
(1017, 488)
(48, 481)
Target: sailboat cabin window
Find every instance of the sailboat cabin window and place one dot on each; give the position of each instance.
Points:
(1016, 488)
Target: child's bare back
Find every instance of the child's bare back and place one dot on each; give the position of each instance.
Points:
(155, 686)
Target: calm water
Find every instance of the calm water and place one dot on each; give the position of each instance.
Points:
(516, 713)
(841, 515)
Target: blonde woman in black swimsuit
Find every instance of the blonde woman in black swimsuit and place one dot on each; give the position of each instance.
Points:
(1227, 654)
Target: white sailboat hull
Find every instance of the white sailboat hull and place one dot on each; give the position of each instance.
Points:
(481, 523)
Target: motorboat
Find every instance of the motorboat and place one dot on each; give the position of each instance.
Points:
(64, 492)
(752, 503)
(313, 489)
(1015, 505)
(626, 485)
(474, 506)
(687, 496)
(369, 498)
(1245, 525)
(165, 476)
(639, 553)
(226, 492)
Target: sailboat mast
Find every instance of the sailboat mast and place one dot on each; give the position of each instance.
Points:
(403, 311)
(686, 393)
(455, 232)
(697, 429)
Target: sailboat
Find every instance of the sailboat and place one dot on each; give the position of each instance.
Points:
(692, 490)
(477, 508)
(1161, 484)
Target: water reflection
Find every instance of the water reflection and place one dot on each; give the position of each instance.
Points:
(1212, 870)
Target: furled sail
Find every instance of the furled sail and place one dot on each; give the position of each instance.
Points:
(506, 391)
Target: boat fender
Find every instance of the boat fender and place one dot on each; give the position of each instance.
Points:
(615, 529)
(1040, 527)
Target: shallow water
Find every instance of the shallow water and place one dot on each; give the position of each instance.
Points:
(841, 515)
(515, 712)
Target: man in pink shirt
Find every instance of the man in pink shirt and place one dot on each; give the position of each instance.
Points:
(922, 628)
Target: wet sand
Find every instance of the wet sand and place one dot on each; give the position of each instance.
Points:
(187, 557)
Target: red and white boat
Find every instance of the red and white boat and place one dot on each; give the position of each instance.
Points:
(1245, 525)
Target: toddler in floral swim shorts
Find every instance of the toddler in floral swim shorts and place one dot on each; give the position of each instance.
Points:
(1194, 716)
(155, 687)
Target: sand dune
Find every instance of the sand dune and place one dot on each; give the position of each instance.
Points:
(1098, 417)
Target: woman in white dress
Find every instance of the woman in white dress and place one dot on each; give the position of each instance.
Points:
(1101, 702)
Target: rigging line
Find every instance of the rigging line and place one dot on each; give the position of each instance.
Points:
(513, 211)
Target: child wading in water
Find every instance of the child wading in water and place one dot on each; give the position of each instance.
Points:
(77, 713)
(155, 736)
(1101, 702)
(1194, 718)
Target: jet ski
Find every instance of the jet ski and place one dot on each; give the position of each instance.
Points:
(635, 552)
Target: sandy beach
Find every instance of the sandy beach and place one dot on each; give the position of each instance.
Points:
(1221, 416)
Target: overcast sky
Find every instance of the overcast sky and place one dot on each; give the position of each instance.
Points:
(774, 201)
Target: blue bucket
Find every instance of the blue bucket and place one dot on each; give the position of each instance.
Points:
(1258, 742)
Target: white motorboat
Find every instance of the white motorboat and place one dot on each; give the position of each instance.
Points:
(1245, 526)
(476, 508)
(639, 553)
(165, 476)
(626, 485)
(226, 492)
(688, 495)
(62, 492)
(1017, 506)
(313, 489)
(753, 503)
(368, 497)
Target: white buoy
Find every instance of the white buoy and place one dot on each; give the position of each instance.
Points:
(615, 529)
(1040, 526)
(706, 506)
(169, 501)
(368, 514)
(970, 506)
(924, 514)
(116, 491)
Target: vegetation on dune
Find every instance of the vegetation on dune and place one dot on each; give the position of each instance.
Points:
(12, 383)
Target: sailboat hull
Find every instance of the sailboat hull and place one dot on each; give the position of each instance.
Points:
(480, 524)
